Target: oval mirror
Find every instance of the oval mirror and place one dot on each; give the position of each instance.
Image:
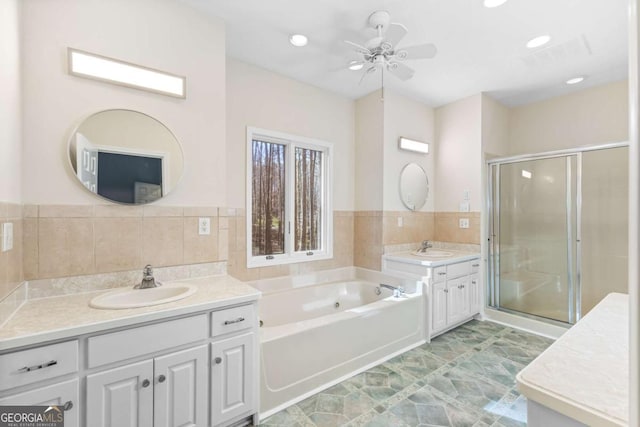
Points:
(125, 156)
(414, 186)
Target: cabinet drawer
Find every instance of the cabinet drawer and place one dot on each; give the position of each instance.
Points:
(439, 274)
(232, 320)
(122, 345)
(458, 270)
(37, 364)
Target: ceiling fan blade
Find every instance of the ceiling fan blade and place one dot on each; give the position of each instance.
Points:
(421, 51)
(400, 70)
(395, 33)
(368, 71)
(358, 48)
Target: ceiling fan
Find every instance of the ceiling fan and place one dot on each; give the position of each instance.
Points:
(381, 52)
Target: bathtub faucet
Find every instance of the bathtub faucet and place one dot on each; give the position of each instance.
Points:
(398, 291)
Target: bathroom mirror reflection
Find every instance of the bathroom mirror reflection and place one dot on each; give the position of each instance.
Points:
(125, 156)
(414, 186)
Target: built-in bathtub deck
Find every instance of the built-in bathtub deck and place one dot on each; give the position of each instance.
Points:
(464, 377)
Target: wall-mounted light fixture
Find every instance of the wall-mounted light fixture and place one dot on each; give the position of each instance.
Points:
(413, 145)
(98, 67)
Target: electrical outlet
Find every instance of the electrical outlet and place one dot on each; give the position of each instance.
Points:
(204, 226)
(400, 222)
(464, 207)
(464, 222)
(7, 236)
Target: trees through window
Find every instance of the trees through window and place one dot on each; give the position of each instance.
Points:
(289, 211)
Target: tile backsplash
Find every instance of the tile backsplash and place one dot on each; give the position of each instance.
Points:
(65, 240)
(11, 271)
(55, 243)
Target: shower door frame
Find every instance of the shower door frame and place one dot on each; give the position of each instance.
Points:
(493, 234)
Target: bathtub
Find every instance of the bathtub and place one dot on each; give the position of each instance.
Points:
(317, 335)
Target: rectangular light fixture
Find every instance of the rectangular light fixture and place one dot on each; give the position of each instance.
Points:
(526, 174)
(97, 67)
(413, 145)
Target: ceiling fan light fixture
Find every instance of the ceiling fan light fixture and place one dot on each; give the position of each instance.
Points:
(298, 40)
(494, 3)
(538, 41)
(575, 80)
(356, 65)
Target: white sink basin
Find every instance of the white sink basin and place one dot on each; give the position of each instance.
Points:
(433, 253)
(132, 298)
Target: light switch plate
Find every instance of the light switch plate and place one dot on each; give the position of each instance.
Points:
(464, 222)
(204, 226)
(7, 236)
(466, 195)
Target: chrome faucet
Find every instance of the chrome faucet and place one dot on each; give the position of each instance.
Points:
(398, 291)
(425, 245)
(148, 281)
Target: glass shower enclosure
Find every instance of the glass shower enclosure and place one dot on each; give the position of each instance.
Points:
(557, 231)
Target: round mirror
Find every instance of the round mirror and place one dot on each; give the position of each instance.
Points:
(414, 186)
(126, 156)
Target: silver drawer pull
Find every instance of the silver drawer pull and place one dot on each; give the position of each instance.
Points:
(475, 265)
(231, 322)
(217, 360)
(442, 273)
(36, 367)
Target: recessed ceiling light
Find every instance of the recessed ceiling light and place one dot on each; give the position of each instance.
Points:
(575, 80)
(298, 40)
(538, 41)
(356, 65)
(494, 3)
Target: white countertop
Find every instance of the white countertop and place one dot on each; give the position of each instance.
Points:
(54, 318)
(427, 261)
(585, 373)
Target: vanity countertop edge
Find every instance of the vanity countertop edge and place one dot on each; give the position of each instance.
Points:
(584, 374)
(409, 258)
(56, 318)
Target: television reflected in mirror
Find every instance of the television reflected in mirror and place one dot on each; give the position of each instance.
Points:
(125, 156)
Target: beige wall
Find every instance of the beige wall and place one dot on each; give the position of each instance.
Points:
(260, 98)
(11, 273)
(369, 140)
(458, 153)
(412, 119)
(592, 116)
(10, 121)
(495, 127)
(143, 32)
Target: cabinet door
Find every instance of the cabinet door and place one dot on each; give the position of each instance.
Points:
(180, 389)
(455, 301)
(64, 394)
(232, 378)
(438, 307)
(475, 296)
(121, 397)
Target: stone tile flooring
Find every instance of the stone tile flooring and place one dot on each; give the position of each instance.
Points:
(465, 377)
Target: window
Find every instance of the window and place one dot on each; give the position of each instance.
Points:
(289, 216)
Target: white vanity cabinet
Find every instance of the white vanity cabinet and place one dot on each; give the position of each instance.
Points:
(198, 370)
(453, 294)
(37, 373)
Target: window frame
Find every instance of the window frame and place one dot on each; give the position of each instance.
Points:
(291, 142)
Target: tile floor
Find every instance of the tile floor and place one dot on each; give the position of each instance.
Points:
(465, 377)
